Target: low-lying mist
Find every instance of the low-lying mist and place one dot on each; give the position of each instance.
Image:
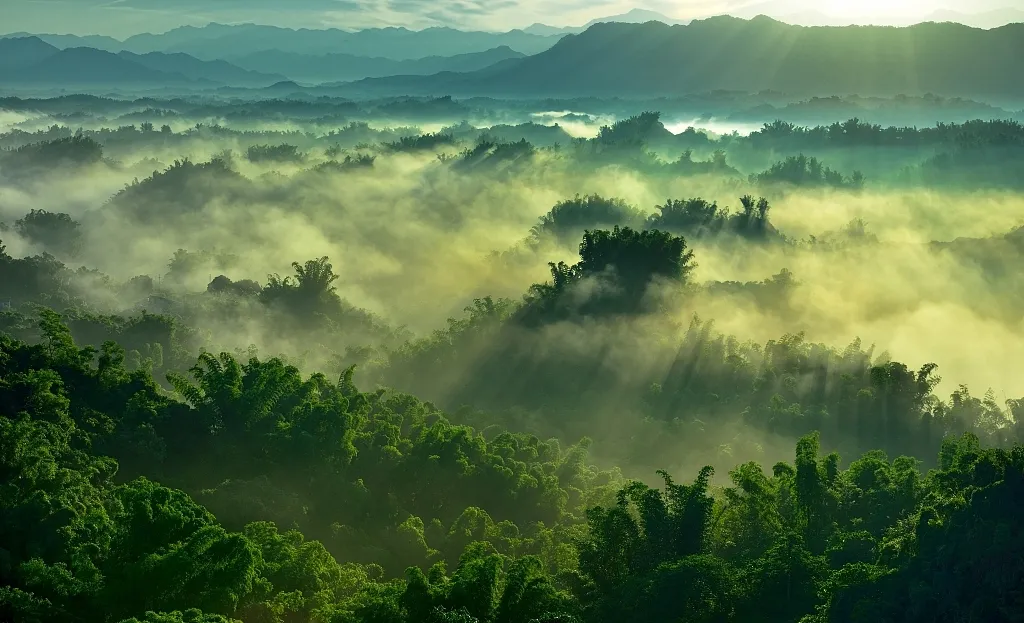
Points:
(416, 229)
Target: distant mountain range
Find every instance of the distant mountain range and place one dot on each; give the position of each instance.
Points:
(795, 12)
(726, 53)
(195, 69)
(76, 68)
(223, 41)
(636, 16)
(789, 11)
(347, 67)
(99, 42)
(24, 51)
(32, 61)
(631, 60)
(219, 41)
(986, 19)
(986, 14)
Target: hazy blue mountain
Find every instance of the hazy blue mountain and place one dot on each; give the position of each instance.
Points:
(725, 53)
(229, 42)
(193, 68)
(75, 67)
(30, 60)
(346, 67)
(544, 30)
(283, 88)
(99, 42)
(24, 51)
(221, 41)
(182, 36)
(635, 16)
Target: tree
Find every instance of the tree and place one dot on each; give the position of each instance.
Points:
(310, 291)
(568, 219)
(56, 232)
(620, 265)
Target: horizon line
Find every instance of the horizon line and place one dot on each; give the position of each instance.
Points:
(523, 29)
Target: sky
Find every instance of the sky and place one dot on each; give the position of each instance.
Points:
(122, 18)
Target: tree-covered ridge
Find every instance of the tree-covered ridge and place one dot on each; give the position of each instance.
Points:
(840, 155)
(89, 535)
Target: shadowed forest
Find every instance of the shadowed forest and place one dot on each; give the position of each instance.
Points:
(469, 361)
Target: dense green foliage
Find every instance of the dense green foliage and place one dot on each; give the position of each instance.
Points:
(88, 534)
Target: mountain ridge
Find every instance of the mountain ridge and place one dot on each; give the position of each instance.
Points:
(18, 51)
(30, 60)
(633, 16)
(988, 20)
(340, 67)
(216, 70)
(616, 59)
(74, 67)
(224, 41)
(654, 59)
(393, 43)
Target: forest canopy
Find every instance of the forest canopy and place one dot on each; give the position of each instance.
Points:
(332, 361)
